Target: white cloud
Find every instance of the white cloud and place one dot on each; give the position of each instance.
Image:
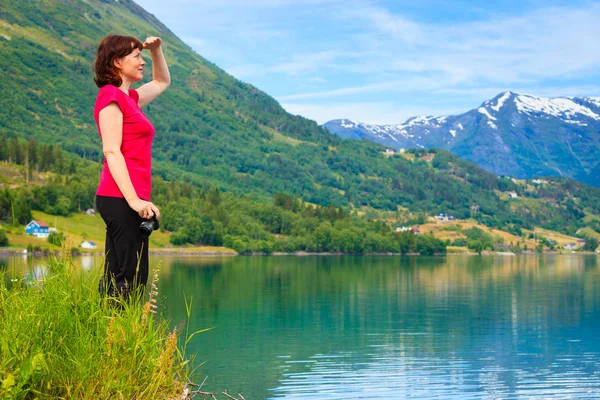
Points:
(400, 85)
(545, 43)
(371, 112)
(551, 42)
(509, 51)
(548, 91)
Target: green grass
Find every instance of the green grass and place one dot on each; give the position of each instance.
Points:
(81, 227)
(587, 231)
(456, 250)
(59, 340)
(278, 137)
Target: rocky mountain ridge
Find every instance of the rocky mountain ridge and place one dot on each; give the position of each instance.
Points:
(512, 134)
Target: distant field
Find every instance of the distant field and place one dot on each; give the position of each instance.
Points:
(456, 250)
(452, 230)
(559, 238)
(78, 228)
(589, 232)
(81, 227)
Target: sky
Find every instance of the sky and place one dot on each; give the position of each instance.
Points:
(383, 62)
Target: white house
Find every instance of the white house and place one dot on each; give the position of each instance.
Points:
(412, 229)
(570, 246)
(513, 195)
(444, 217)
(88, 245)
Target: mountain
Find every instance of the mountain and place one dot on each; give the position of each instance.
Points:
(512, 134)
(215, 132)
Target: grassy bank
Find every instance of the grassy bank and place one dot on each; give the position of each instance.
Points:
(58, 341)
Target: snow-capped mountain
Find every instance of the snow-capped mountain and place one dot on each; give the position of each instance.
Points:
(512, 134)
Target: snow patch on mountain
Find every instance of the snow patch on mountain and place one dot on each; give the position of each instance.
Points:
(501, 101)
(452, 132)
(560, 107)
(594, 100)
(420, 120)
(348, 124)
(575, 122)
(486, 113)
(492, 125)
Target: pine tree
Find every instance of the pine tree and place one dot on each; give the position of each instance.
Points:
(15, 152)
(3, 148)
(32, 153)
(45, 157)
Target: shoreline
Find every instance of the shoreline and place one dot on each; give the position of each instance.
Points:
(15, 252)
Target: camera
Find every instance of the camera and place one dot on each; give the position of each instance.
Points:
(148, 226)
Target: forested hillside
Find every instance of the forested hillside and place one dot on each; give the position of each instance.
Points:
(215, 134)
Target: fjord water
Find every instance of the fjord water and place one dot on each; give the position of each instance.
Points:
(392, 327)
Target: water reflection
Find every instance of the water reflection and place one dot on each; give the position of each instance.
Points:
(391, 327)
(36, 272)
(88, 262)
(500, 323)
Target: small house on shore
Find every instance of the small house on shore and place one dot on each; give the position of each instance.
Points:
(37, 228)
(88, 245)
(412, 229)
(444, 217)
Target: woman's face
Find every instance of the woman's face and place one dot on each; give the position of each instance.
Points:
(131, 67)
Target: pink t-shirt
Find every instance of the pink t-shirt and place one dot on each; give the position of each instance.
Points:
(136, 145)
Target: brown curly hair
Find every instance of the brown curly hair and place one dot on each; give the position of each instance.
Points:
(109, 49)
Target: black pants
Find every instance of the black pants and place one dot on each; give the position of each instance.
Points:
(126, 262)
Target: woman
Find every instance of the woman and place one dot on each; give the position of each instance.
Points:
(123, 195)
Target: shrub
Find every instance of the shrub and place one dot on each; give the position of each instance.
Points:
(56, 238)
(3, 238)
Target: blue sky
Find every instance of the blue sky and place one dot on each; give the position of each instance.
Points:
(385, 61)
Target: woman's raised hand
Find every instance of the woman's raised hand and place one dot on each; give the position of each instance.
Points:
(152, 43)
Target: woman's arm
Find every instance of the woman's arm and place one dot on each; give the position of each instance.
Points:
(111, 127)
(161, 79)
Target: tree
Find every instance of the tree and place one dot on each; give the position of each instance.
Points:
(56, 238)
(46, 157)
(15, 152)
(62, 206)
(322, 236)
(3, 148)
(540, 248)
(3, 238)
(32, 152)
(475, 245)
(591, 244)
